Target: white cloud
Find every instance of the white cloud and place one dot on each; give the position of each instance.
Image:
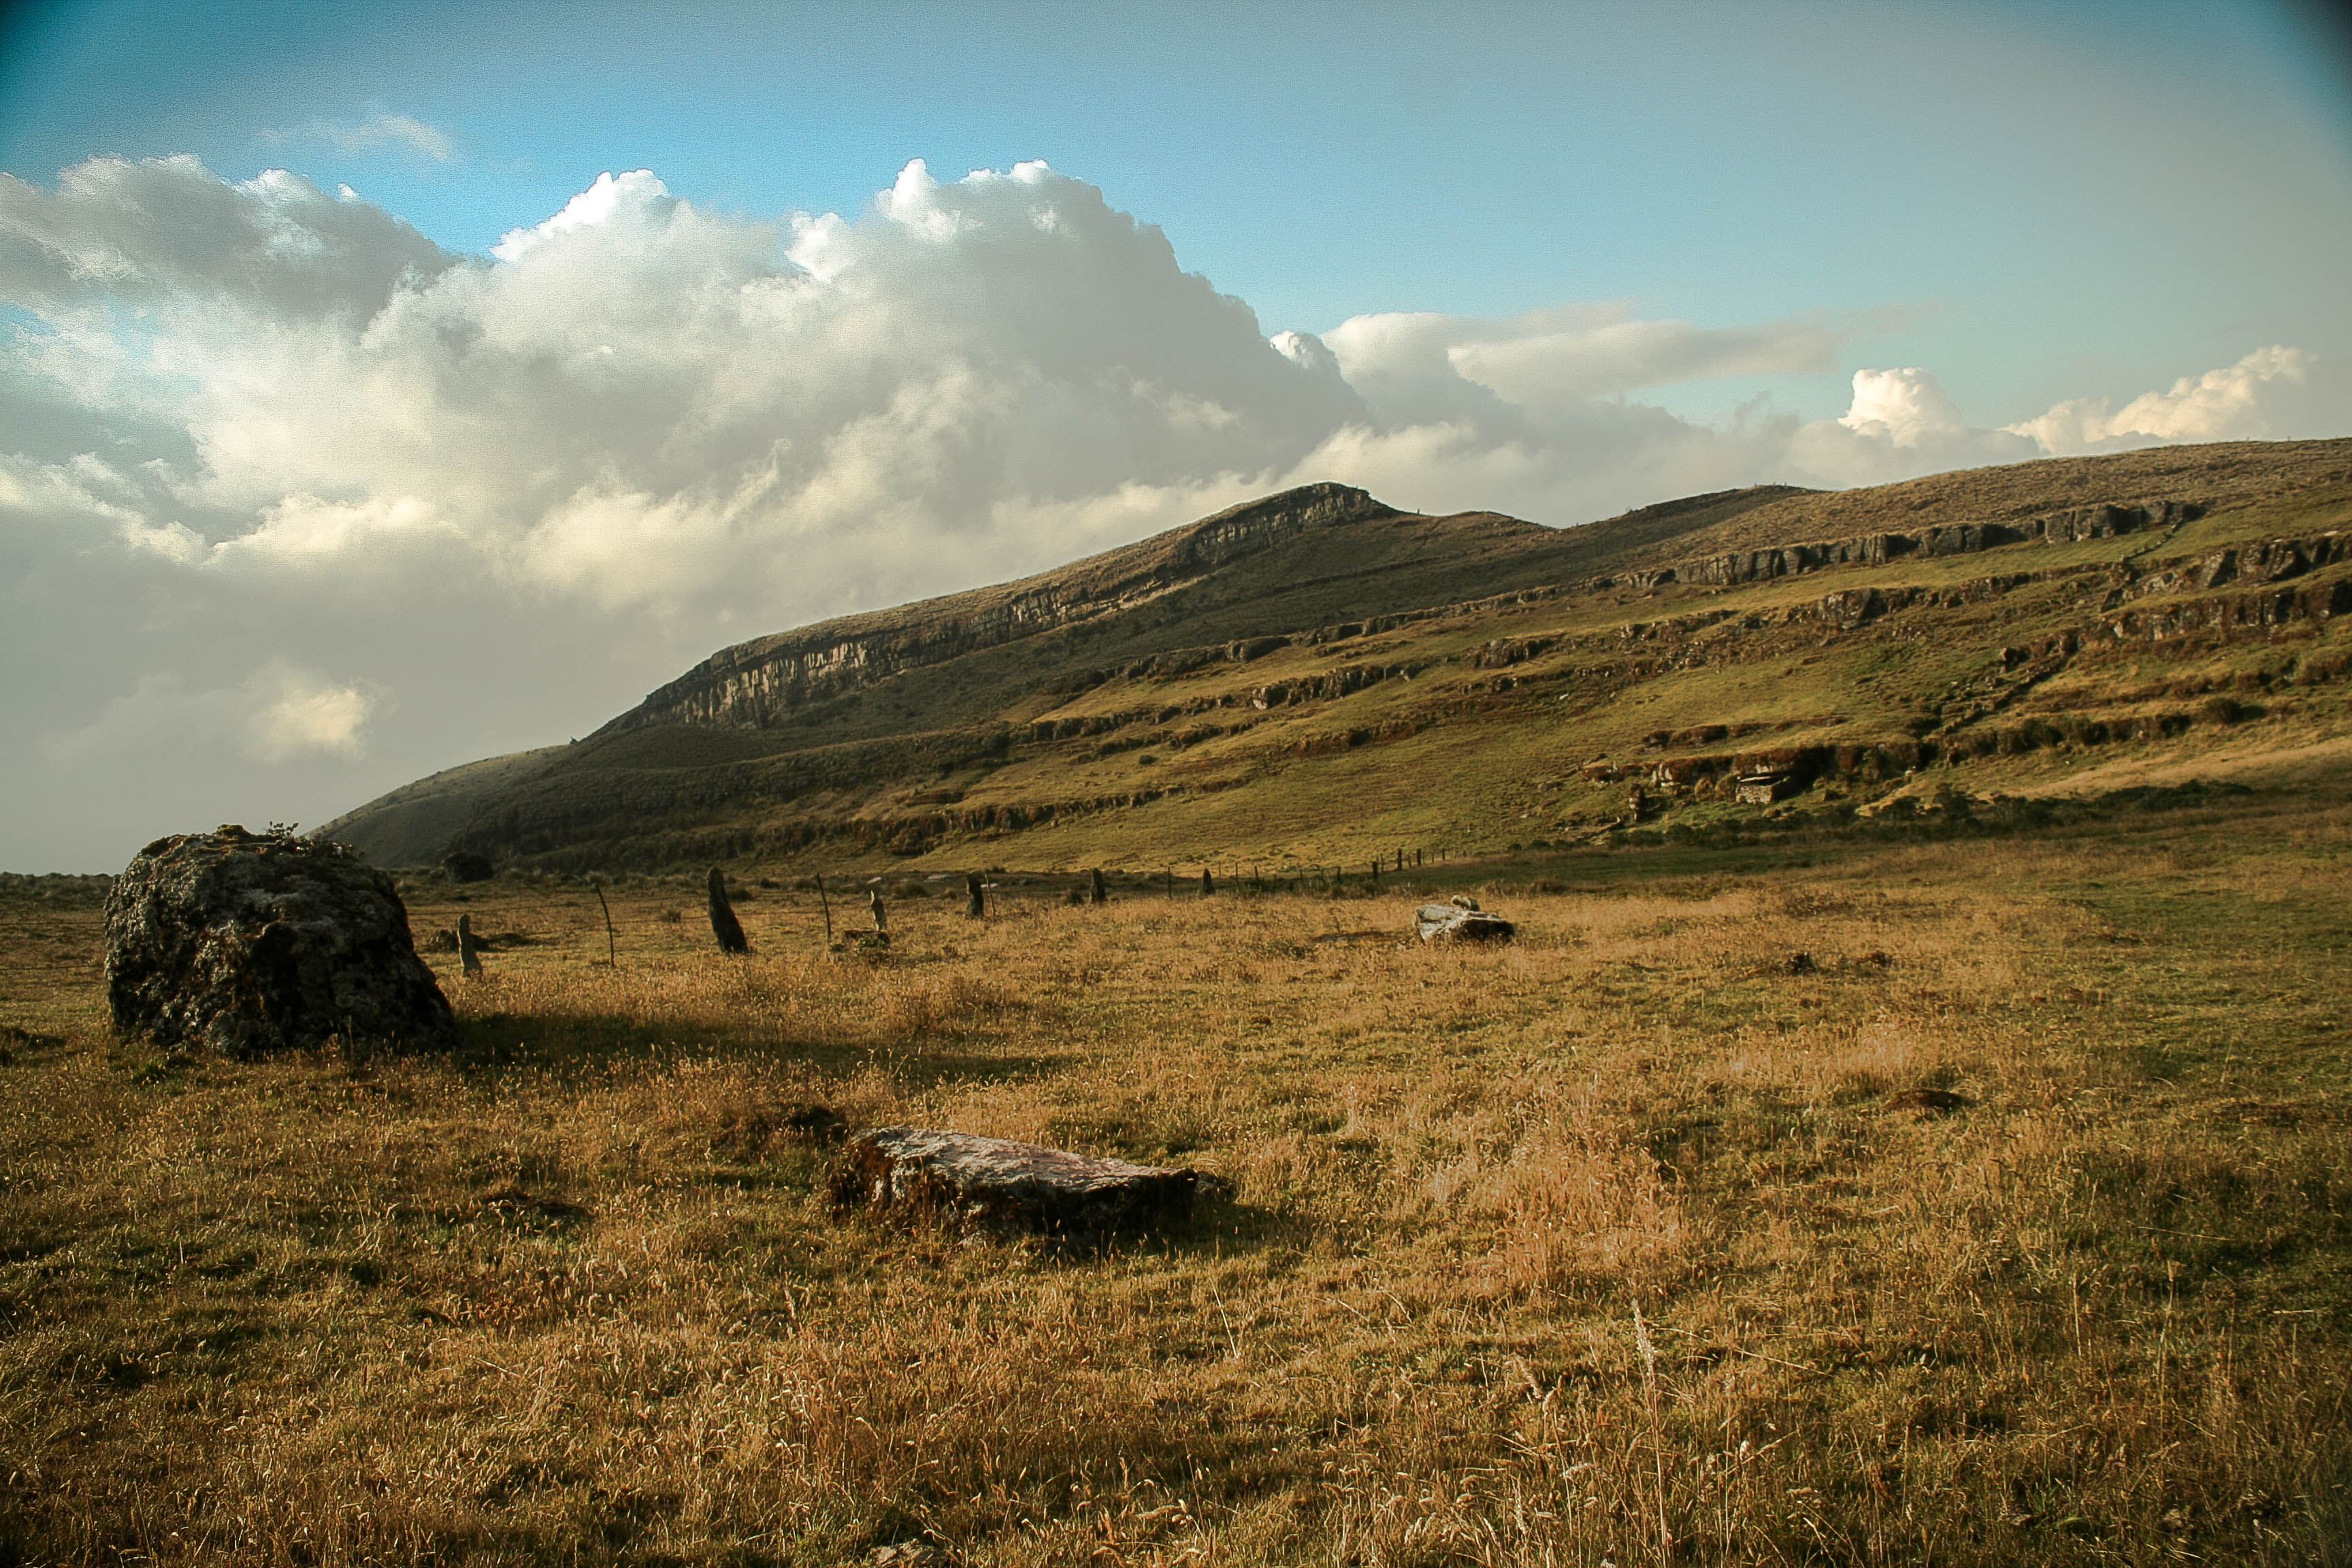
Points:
(596, 206)
(2240, 401)
(310, 715)
(378, 130)
(278, 714)
(1561, 356)
(164, 234)
(281, 431)
(1900, 423)
(1903, 407)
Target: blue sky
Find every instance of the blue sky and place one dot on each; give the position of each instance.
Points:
(348, 352)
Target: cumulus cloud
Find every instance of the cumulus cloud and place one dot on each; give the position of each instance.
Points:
(165, 233)
(1900, 423)
(1903, 407)
(418, 507)
(2238, 402)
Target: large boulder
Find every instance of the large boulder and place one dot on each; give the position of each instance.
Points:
(250, 943)
(999, 1185)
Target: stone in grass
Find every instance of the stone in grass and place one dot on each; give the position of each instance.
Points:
(466, 866)
(996, 1185)
(1933, 1101)
(723, 924)
(1460, 921)
(252, 942)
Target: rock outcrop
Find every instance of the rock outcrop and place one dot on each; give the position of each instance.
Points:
(251, 942)
(2100, 522)
(997, 1186)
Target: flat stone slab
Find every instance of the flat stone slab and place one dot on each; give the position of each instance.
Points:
(1453, 923)
(998, 1185)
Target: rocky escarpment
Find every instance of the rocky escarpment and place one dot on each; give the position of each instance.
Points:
(2103, 520)
(764, 682)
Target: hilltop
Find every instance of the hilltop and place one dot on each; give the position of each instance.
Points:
(1319, 676)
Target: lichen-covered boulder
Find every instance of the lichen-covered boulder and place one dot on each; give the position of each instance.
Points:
(998, 1185)
(251, 942)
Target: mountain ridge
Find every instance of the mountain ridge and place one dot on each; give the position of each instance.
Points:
(1161, 672)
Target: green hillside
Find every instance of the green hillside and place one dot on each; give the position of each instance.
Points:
(1315, 678)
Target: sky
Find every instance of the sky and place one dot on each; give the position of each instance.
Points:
(385, 387)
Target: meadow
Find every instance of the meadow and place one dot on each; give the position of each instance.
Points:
(1846, 1198)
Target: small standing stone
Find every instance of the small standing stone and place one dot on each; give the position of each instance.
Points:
(1208, 883)
(469, 948)
(873, 907)
(723, 924)
(975, 899)
(1098, 890)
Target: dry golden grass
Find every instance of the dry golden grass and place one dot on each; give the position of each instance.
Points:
(2223, 474)
(1606, 1247)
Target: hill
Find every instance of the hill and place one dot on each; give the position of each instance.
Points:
(1319, 677)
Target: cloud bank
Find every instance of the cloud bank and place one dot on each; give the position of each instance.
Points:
(295, 505)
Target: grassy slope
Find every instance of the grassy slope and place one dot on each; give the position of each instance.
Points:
(1368, 568)
(1451, 756)
(573, 1297)
(2220, 474)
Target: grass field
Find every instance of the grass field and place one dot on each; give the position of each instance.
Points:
(1623, 1244)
